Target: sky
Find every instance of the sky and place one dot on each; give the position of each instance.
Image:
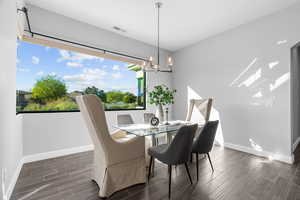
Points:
(77, 70)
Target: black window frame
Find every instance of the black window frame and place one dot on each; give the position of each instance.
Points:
(72, 111)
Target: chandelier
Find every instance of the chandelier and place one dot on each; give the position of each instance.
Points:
(150, 65)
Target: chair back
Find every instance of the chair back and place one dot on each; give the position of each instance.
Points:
(92, 111)
(199, 110)
(204, 142)
(147, 117)
(180, 148)
(124, 119)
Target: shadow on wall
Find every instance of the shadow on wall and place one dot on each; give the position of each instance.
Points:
(214, 115)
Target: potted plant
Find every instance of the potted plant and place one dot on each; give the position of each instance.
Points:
(161, 96)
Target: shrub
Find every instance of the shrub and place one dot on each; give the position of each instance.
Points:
(33, 107)
(19, 108)
(114, 96)
(61, 104)
(129, 98)
(121, 106)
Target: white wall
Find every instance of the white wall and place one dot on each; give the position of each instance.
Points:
(253, 117)
(10, 139)
(56, 131)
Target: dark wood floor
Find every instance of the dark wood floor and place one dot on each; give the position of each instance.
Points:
(237, 176)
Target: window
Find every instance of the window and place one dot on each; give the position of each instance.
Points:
(49, 79)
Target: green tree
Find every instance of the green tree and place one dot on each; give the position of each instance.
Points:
(48, 88)
(93, 90)
(114, 96)
(129, 98)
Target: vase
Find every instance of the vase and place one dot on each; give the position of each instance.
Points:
(160, 113)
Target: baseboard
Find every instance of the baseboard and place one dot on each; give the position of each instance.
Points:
(278, 157)
(58, 153)
(14, 179)
(296, 144)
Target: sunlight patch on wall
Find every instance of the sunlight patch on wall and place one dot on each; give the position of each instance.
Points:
(249, 81)
(255, 146)
(214, 115)
(243, 72)
(257, 95)
(267, 102)
(281, 80)
(273, 64)
(258, 83)
(280, 42)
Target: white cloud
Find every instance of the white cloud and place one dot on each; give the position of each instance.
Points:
(84, 84)
(17, 60)
(35, 60)
(72, 56)
(40, 73)
(52, 74)
(74, 64)
(76, 78)
(104, 66)
(19, 69)
(96, 71)
(116, 75)
(47, 48)
(87, 78)
(116, 67)
(87, 75)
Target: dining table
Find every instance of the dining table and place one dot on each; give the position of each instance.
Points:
(169, 129)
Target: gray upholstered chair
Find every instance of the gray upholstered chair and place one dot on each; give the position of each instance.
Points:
(124, 119)
(176, 153)
(203, 143)
(117, 164)
(199, 112)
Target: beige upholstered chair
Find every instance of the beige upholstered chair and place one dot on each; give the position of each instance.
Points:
(117, 165)
(199, 110)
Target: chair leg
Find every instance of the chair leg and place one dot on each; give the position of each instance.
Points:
(150, 167)
(170, 178)
(191, 159)
(210, 162)
(188, 172)
(197, 165)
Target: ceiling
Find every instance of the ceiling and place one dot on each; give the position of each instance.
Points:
(183, 22)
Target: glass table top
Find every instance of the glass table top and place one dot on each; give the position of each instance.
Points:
(147, 129)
